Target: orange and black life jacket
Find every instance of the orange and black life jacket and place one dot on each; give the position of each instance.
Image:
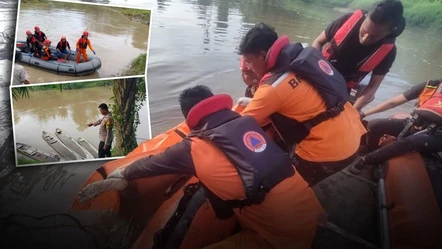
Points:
(429, 106)
(307, 63)
(40, 36)
(260, 163)
(428, 92)
(339, 42)
(82, 43)
(63, 45)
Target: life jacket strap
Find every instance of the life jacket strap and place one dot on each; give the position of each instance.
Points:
(331, 113)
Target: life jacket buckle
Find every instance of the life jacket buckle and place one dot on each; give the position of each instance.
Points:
(335, 111)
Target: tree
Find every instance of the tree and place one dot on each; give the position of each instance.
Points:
(128, 98)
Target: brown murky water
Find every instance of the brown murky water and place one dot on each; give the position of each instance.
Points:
(194, 42)
(69, 110)
(115, 38)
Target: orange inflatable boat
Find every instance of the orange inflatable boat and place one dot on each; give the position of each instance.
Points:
(145, 194)
(185, 221)
(153, 190)
(414, 215)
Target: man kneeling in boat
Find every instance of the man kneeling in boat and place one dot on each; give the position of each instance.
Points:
(46, 53)
(242, 171)
(308, 109)
(429, 95)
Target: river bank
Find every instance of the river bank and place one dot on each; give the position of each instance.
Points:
(420, 13)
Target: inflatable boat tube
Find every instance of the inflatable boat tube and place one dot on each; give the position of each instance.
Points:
(150, 192)
(154, 190)
(414, 214)
(70, 67)
(185, 221)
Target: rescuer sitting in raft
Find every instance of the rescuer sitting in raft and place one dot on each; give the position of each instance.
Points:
(39, 34)
(361, 42)
(429, 95)
(82, 45)
(310, 112)
(34, 46)
(277, 209)
(46, 53)
(62, 48)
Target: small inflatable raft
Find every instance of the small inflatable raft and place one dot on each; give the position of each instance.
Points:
(70, 67)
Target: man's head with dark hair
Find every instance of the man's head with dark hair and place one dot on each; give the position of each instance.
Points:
(382, 20)
(254, 47)
(103, 108)
(192, 96)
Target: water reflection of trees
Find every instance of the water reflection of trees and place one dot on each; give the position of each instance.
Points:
(79, 105)
(162, 4)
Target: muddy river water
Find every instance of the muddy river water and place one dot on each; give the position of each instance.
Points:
(116, 39)
(69, 110)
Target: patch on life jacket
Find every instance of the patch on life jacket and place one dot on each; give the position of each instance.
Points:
(325, 67)
(254, 141)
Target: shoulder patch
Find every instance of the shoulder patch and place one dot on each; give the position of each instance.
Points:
(325, 67)
(254, 141)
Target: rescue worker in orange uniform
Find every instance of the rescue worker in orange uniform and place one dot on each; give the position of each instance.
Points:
(308, 109)
(364, 42)
(82, 45)
(427, 93)
(46, 53)
(33, 45)
(242, 171)
(39, 34)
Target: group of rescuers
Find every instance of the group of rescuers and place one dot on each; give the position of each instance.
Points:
(246, 161)
(40, 46)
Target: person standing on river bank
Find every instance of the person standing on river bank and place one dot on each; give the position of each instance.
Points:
(20, 76)
(105, 132)
(364, 42)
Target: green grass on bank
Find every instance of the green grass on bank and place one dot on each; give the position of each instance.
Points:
(34, 1)
(142, 16)
(24, 160)
(137, 66)
(69, 86)
(421, 13)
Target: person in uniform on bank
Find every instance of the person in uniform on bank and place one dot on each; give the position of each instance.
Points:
(105, 132)
(364, 42)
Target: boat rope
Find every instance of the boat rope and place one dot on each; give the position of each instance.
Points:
(335, 228)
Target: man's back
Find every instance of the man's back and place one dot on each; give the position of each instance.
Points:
(332, 140)
(289, 211)
(19, 75)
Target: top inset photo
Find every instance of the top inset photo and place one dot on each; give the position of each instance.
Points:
(65, 41)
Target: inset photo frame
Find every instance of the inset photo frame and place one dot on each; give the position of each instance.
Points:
(79, 41)
(79, 121)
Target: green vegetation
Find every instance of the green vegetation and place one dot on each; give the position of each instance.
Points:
(129, 95)
(137, 66)
(421, 13)
(69, 86)
(34, 1)
(137, 15)
(25, 160)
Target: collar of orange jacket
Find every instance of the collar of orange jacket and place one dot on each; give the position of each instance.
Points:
(207, 107)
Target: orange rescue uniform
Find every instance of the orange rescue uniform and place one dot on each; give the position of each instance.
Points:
(82, 45)
(332, 140)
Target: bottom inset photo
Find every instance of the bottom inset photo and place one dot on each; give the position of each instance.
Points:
(79, 121)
